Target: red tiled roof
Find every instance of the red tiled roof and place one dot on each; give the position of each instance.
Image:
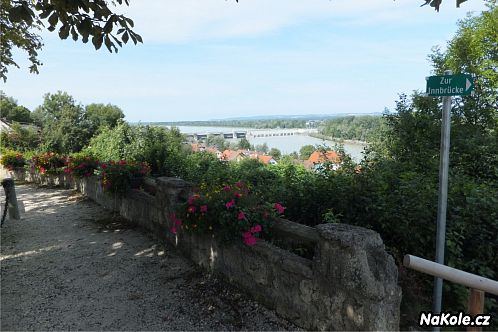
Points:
(231, 155)
(265, 159)
(320, 157)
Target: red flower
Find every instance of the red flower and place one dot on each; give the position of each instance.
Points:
(227, 188)
(250, 241)
(239, 184)
(241, 216)
(237, 195)
(280, 209)
(230, 204)
(256, 229)
(173, 230)
(191, 209)
(204, 208)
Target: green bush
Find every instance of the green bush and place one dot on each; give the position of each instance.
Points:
(120, 176)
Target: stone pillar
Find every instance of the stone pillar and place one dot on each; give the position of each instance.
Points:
(10, 192)
(360, 277)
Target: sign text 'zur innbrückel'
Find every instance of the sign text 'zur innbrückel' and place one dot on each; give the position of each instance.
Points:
(449, 85)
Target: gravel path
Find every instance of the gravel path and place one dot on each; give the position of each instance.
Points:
(70, 265)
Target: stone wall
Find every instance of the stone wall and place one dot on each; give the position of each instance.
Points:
(350, 284)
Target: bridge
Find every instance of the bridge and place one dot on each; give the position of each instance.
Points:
(225, 135)
(253, 133)
(280, 132)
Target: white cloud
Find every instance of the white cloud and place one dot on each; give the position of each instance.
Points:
(185, 20)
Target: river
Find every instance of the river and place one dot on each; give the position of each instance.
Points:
(286, 144)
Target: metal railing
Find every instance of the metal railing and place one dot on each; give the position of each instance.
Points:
(478, 285)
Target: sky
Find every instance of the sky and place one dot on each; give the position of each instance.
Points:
(213, 59)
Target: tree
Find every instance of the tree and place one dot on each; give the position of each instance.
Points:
(65, 128)
(262, 148)
(20, 138)
(275, 153)
(306, 151)
(400, 182)
(217, 141)
(244, 144)
(11, 111)
(20, 21)
(101, 115)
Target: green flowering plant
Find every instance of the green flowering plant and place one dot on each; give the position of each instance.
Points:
(81, 165)
(120, 176)
(12, 159)
(48, 163)
(232, 212)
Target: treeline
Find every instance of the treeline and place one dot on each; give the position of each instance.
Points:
(257, 124)
(361, 128)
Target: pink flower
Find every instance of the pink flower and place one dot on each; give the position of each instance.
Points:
(241, 216)
(192, 199)
(204, 208)
(237, 195)
(280, 209)
(250, 241)
(239, 184)
(173, 230)
(227, 188)
(175, 220)
(246, 235)
(230, 204)
(191, 209)
(256, 229)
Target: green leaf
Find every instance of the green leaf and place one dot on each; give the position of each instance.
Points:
(53, 19)
(64, 32)
(97, 41)
(108, 26)
(74, 34)
(108, 43)
(125, 37)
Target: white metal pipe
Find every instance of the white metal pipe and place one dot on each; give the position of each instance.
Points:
(451, 274)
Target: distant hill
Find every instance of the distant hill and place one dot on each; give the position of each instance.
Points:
(263, 121)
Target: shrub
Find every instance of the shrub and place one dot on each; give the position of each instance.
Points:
(12, 159)
(81, 165)
(48, 163)
(120, 176)
(231, 212)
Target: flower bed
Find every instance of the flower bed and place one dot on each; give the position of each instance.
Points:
(12, 160)
(232, 212)
(81, 165)
(121, 176)
(48, 163)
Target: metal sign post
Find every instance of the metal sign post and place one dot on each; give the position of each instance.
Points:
(446, 86)
(444, 162)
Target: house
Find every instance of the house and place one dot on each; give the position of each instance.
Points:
(196, 147)
(231, 155)
(266, 159)
(317, 160)
(215, 151)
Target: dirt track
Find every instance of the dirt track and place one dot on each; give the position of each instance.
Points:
(69, 265)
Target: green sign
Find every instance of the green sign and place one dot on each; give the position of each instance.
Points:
(450, 85)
